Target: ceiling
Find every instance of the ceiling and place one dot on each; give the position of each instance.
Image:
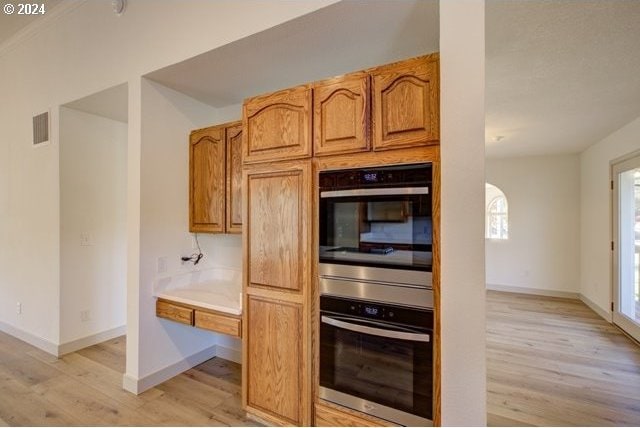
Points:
(340, 38)
(11, 24)
(111, 103)
(560, 75)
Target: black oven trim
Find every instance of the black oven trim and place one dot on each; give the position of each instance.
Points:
(406, 175)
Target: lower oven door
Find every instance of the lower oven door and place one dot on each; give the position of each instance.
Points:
(377, 369)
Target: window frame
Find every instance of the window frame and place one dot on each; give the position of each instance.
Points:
(494, 214)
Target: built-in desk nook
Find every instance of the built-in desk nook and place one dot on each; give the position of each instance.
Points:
(208, 299)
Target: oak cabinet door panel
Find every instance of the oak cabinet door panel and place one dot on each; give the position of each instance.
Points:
(274, 355)
(341, 115)
(278, 126)
(276, 238)
(234, 179)
(406, 104)
(207, 180)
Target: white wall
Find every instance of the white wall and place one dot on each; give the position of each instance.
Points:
(167, 118)
(462, 228)
(595, 207)
(154, 34)
(51, 67)
(542, 252)
(93, 189)
(29, 225)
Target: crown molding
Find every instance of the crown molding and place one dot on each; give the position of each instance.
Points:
(31, 30)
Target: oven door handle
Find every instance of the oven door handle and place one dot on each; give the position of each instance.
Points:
(393, 191)
(415, 337)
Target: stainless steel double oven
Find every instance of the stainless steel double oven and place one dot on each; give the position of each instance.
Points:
(376, 299)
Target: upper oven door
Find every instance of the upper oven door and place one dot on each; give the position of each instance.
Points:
(378, 227)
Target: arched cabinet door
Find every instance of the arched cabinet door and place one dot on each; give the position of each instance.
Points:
(341, 115)
(406, 103)
(277, 126)
(207, 180)
(234, 178)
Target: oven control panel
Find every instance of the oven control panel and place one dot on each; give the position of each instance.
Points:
(373, 310)
(391, 176)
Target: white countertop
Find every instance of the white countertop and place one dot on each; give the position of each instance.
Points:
(207, 299)
(218, 289)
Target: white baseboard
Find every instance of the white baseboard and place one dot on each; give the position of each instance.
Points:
(94, 339)
(129, 383)
(596, 308)
(138, 386)
(31, 339)
(230, 354)
(535, 291)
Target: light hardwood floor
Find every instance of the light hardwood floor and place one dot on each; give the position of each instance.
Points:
(550, 362)
(85, 389)
(553, 361)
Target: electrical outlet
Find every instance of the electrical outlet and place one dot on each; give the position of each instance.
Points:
(162, 264)
(18, 308)
(85, 316)
(85, 239)
(185, 264)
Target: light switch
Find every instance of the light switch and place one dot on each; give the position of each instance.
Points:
(162, 264)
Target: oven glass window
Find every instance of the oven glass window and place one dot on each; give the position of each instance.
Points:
(392, 372)
(379, 231)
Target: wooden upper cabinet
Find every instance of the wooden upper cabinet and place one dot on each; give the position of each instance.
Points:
(406, 103)
(207, 180)
(278, 125)
(234, 178)
(341, 115)
(277, 213)
(274, 358)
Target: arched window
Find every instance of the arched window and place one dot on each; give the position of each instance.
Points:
(497, 213)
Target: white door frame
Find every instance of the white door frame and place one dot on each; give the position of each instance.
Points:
(618, 166)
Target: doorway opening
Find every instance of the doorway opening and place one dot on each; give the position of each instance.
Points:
(626, 244)
(93, 219)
